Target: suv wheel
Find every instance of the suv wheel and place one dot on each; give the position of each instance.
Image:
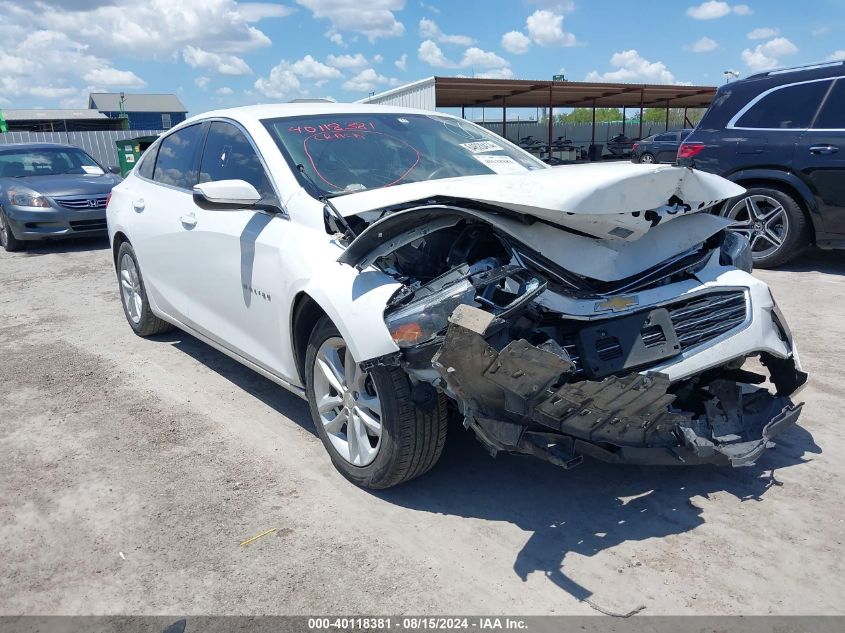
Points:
(375, 432)
(772, 221)
(7, 238)
(647, 158)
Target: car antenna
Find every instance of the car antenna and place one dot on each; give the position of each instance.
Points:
(327, 203)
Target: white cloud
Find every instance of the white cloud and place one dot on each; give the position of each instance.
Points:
(430, 31)
(367, 81)
(378, 59)
(281, 83)
(498, 73)
(202, 82)
(336, 38)
(221, 63)
(473, 57)
(374, 18)
(430, 53)
(402, 62)
(703, 45)
(713, 9)
(546, 29)
(835, 56)
(347, 61)
(822, 30)
(113, 78)
(225, 90)
(762, 33)
(257, 11)
(429, 7)
(631, 67)
(766, 55)
(310, 68)
(516, 42)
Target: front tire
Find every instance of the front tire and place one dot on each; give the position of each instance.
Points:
(375, 434)
(772, 221)
(133, 295)
(7, 239)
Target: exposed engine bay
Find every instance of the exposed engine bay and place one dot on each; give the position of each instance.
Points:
(685, 361)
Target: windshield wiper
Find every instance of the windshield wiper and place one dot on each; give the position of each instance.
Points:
(327, 204)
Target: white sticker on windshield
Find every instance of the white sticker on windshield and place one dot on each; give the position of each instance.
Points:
(500, 164)
(93, 170)
(479, 147)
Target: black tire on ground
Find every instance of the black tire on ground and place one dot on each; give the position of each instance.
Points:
(651, 159)
(797, 237)
(7, 238)
(412, 436)
(149, 324)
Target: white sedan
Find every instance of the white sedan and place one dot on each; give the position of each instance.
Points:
(398, 268)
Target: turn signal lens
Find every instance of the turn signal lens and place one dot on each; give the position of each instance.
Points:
(406, 334)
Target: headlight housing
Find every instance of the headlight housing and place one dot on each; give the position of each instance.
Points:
(736, 251)
(23, 197)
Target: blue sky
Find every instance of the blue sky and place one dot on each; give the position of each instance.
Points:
(215, 53)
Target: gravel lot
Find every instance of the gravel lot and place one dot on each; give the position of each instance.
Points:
(131, 470)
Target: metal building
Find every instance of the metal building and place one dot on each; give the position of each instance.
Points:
(144, 111)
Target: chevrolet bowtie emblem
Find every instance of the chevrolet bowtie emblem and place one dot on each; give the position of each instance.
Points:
(617, 304)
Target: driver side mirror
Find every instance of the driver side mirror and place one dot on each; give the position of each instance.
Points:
(225, 195)
(114, 170)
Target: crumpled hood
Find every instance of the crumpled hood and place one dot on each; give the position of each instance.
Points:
(559, 194)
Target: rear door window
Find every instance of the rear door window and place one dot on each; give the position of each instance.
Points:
(832, 115)
(228, 155)
(148, 160)
(666, 138)
(788, 108)
(177, 158)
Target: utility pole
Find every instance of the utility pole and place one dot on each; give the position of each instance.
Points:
(729, 74)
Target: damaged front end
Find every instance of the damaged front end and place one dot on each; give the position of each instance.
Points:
(686, 360)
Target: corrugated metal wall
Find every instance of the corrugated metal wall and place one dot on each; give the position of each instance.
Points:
(418, 95)
(100, 144)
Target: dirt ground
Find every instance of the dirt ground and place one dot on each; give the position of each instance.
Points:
(131, 470)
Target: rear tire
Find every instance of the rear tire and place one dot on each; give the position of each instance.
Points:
(773, 221)
(7, 237)
(409, 438)
(647, 158)
(133, 295)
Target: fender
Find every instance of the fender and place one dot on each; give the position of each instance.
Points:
(807, 195)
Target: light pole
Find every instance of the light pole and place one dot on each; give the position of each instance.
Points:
(730, 74)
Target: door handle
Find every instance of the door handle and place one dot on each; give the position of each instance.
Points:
(189, 220)
(823, 149)
(138, 204)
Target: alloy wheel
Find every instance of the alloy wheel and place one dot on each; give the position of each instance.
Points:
(762, 220)
(347, 403)
(647, 159)
(4, 231)
(130, 288)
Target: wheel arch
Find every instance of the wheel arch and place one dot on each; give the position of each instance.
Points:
(117, 241)
(305, 313)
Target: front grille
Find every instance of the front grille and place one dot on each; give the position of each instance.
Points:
(705, 317)
(696, 321)
(92, 202)
(88, 225)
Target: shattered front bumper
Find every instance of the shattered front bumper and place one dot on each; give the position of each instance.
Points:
(515, 400)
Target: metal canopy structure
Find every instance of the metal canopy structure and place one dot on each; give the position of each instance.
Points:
(524, 93)
(470, 92)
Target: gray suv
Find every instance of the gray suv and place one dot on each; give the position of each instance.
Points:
(50, 191)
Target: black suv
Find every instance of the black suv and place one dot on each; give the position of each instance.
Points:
(781, 135)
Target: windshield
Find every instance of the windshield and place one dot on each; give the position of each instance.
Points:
(47, 162)
(344, 153)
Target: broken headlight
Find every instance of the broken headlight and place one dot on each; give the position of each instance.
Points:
(736, 251)
(422, 320)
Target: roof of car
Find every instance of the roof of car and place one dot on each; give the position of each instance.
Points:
(34, 146)
(279, 110)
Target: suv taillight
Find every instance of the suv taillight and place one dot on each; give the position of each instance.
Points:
(688, 150)
(634, 146)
